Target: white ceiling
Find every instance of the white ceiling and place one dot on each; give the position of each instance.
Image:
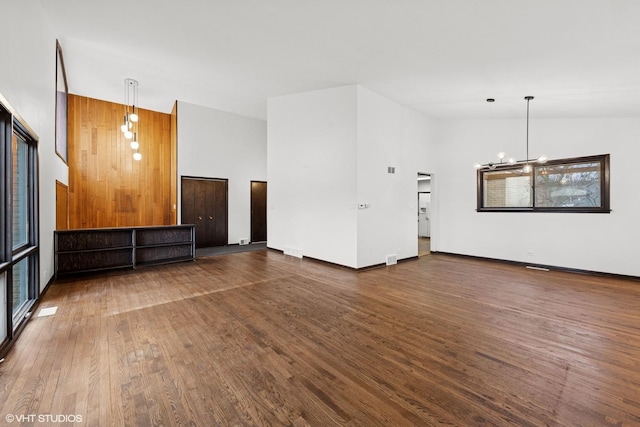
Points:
(579, 58)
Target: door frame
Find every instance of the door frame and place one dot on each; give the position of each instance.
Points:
(434, 219)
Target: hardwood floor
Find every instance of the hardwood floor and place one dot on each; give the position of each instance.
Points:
(258, 338)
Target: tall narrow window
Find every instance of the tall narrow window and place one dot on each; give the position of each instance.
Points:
(19, 239)
(20, 196)
(20, 285)
(24, 235)
(3, 305)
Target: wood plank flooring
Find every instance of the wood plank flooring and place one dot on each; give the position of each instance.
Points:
(262, 339)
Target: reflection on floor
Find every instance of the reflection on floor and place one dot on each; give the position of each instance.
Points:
(424, 246)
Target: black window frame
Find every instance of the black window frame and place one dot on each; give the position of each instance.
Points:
(603, 159)
(12, 124)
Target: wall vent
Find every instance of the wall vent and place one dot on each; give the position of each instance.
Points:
(244, 241)
(392, 259)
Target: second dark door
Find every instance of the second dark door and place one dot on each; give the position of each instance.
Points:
(204, 203)
(258, 211)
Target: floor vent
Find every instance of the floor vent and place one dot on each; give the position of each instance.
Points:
(244, 241)
(48, 311)
(392, 259)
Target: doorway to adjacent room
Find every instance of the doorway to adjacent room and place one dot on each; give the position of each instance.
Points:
(424, 214)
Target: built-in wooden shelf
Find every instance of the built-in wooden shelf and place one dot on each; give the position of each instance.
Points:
(96, 249)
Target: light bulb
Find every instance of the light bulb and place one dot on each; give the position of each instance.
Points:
(501, 155)
(526, 168)
(133, 117)
(477, 166)
(123, 128)
(137, 156)
(130, 125)
(542, 159)
(128, 134)
(512, 161)
(135, 145)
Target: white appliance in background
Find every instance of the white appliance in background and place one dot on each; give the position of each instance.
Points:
(424, 213)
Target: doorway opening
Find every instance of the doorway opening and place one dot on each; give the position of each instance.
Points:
(424, 214)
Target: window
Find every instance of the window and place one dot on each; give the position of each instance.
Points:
(22, 188)
(20, 285)
(19, 192)
(19, 278)
(578, 184)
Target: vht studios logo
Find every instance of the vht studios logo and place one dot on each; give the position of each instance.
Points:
(43, 418)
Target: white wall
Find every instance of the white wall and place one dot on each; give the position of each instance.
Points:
(389, 134)
(27, 82)
(328, 152)
(218, 144)
(597, 242)
(312, 192)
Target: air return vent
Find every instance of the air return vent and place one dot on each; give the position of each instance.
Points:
(392, 259)
(244, 241)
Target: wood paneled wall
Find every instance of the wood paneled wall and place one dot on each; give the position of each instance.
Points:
(107, 188)
(174, 163)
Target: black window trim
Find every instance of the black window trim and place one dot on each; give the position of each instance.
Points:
(603, 159)
(12, 123)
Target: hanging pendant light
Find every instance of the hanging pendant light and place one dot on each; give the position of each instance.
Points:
(527, 168)
(130, 122)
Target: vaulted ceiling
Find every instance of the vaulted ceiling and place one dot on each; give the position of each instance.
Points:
(579, 58)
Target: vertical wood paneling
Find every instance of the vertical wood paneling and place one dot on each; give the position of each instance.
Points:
(62, 206)
(107, 188)
(174, 163)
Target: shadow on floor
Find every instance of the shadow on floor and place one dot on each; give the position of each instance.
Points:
(230, 249)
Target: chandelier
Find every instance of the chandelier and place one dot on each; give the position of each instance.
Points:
(511, 160)
(130, 122)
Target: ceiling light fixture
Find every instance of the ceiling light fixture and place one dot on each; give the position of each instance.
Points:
(130, 122)
(512, 161)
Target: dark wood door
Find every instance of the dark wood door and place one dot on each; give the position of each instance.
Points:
(258, 211)
(204, 203)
